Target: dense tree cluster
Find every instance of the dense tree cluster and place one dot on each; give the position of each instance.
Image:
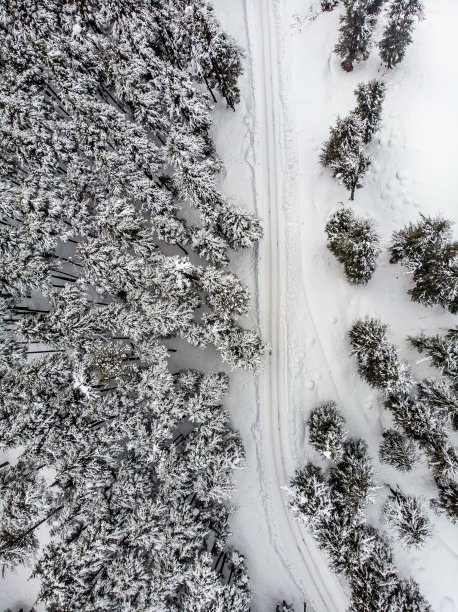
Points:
(333, 508)
(428, 251)
(397, 35)
(423, 412)
(106, 158)
(355, 243)
(344, 153)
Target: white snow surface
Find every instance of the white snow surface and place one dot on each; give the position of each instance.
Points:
(292, 91)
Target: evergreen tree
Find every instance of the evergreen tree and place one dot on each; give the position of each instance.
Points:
(398, 32)
(369, 100)
(355, 244)
(407, 515)
(378, 360)
(344, 155)
(357, 25)
(398, 450)
(447, 502)
(428, 251)
(352, 478)
(443, 352)
(326, 430)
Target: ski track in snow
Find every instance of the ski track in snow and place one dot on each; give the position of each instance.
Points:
(311, 574)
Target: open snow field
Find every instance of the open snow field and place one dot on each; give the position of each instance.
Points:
(293, 90)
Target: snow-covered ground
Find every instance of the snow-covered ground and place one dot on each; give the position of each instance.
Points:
(293, 90)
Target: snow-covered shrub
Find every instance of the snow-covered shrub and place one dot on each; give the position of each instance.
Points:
(355, 243)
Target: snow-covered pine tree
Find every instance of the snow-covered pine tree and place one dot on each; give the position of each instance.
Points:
(355, 33)
(447, 502)
(310, 499)
(369, 100)
(343, 153)
(442, 351)
(355, 243)
(326, 430)
(408, 517)
(440, 395)
(398, 450)
(398, 32)
(378, 360)
(352, 478)
(429, 252)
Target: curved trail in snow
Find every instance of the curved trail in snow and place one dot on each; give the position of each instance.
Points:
(298, 554)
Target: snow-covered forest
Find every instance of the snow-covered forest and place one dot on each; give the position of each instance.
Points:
(229, 268)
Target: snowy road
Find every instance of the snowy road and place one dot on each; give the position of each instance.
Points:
(294, 546)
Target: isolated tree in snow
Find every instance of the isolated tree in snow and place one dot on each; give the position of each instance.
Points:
(355, 33)
(355, 243)
(429, 252)
(447, 502)
(326, 430)
(398, 32)
(398, 450)
(378, 360)
(343, 153)
(369, 100)
(407, 515)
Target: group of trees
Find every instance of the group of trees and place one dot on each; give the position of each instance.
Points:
(332, 504)
(423, 412)
(344, 153)
(106, 156)
(357, 26)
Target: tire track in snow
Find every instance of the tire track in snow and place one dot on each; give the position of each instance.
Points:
(307, 570)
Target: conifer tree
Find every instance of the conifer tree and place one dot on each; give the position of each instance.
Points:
(398, 450)
(357, 25)
(344, 155)
(369, 100)
(326, 432)
(447, 502)
(428, 251)
(328, 5)
(398, 32)
(283, 606)
(407, 515)
(378, 360)
(355, 243)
